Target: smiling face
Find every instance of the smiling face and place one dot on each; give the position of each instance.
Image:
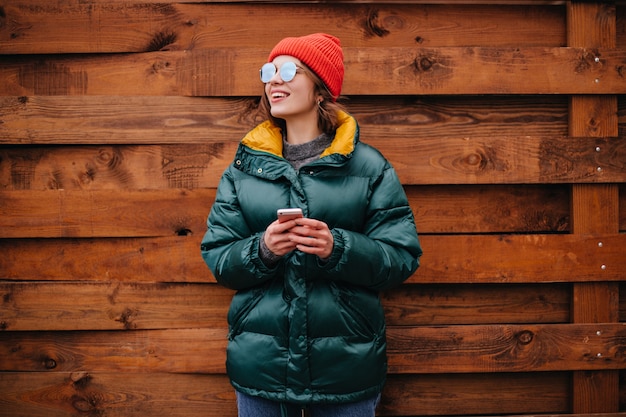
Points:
(293, 100)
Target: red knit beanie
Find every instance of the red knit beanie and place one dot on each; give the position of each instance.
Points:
(320, 52)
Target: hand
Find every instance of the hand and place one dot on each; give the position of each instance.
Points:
(311, 236)
(277, 239)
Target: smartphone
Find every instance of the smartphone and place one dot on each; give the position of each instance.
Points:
(286, 214)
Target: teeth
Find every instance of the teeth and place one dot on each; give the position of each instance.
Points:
(279, 95)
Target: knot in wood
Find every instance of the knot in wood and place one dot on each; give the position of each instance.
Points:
(49, 363)
(373, 26)
(525, 337)
(424, 63)
(87, 403)
(80, 379)
(474, 159)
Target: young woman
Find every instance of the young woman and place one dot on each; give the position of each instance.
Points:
(306, 327)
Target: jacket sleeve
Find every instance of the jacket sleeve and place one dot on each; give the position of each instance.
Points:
(387, 251)
(228, 247)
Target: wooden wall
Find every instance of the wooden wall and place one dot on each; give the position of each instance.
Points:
(506, 121)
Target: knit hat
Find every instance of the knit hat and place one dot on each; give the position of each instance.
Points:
(320, 52)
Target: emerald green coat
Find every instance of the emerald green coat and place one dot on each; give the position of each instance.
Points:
(307, 331)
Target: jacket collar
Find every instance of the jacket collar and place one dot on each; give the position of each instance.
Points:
(268, 138)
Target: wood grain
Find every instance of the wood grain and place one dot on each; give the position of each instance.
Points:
(44, 306)
(168, 25)
(455, 259)
(594, 208)
(469, 160)
(112, 213)
(504, 119)
(373, 71)
(422, 350)
(147, 120)
(59, 394)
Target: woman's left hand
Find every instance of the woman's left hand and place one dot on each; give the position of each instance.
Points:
(313, 237)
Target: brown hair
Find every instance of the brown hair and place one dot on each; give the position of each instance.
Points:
(327, 111)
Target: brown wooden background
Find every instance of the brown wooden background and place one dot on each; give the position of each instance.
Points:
(506, 121)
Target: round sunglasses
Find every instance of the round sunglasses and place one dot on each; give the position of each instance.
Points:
(287, 71)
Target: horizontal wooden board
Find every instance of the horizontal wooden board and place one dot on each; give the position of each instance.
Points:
(417, 304)
(178, 351)
(476, 394)
(519, 258)
(49, 306)
(56, 394)
(97, 120)
(476, 259)
(122, 213)
(487, 209)
(112, 306)
(411, 350)
(372, 71)
(126, 120)
(468, 160)
(62, 394)
(104, 213)
(503, 348)
(150, 26)
(444, 209)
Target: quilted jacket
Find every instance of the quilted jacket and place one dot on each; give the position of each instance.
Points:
(307, 331)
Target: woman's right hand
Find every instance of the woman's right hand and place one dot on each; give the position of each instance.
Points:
(277, 237)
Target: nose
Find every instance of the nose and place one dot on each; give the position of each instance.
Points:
(276, 78)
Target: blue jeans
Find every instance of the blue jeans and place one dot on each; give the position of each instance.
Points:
(249, 406)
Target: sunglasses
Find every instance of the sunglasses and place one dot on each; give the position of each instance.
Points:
(287, 71)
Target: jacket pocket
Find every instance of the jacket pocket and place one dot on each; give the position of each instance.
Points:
(240, 307)
(361, 309)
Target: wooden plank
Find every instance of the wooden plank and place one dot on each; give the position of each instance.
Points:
(500, 160)
(45, 306)
(421, 350)
(61, 394)
(523, 258)
(491, 160)
(483, 209)
(594, 208)
(123, 213)
(465, 394)
(101, 120)
(622, 303)
(622, 207)
(475, 259)
(451, 259)
(71, 120)
(112, 306)
(506, 348)
(198, 351)
(105, 213)
(373, 71)
(58, 394)
(135, 260)
(146, 167)
(32, 26)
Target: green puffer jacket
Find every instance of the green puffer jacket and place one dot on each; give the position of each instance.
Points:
(307, 331)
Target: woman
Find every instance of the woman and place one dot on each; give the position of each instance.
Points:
(306, 327)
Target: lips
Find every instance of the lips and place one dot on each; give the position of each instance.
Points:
(277, 95)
